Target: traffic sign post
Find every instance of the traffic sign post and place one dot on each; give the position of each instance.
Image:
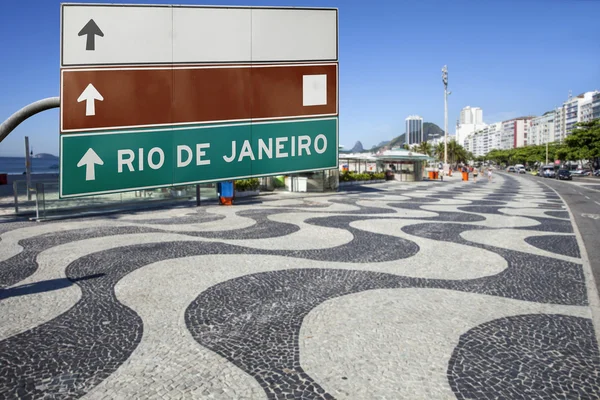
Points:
(155, 96)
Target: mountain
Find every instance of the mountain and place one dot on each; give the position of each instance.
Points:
(45, 155)
(429, 130)
(381, 144)
(358, 147)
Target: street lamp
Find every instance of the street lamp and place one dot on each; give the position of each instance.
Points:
(445, 81)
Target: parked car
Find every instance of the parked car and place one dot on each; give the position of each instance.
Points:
(564, 174)
(548, 172)
(597, 172)
(581, 172)
(510, 169)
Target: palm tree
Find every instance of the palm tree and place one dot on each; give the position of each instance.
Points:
(439, 151)
(425, 148)
(457, 153)
(405, 146)
(452, 151)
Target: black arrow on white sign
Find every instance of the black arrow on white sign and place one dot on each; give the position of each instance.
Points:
(91, 30)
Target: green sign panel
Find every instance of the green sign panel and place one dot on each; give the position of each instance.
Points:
(116, 161)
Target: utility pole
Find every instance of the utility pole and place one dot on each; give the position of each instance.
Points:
(445, 80)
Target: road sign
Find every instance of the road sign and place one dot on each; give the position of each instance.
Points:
(155, 96)
(114, 34)
(137, 97)
(108, 162)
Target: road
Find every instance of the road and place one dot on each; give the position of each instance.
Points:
(584, 202)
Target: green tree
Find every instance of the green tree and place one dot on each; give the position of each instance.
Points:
(583, 144)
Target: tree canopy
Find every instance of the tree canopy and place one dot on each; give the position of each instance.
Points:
(582, 145)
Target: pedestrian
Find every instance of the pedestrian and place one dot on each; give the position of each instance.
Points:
(489, 174)
(475, 172)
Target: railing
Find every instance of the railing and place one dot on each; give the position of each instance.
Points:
(45, 201)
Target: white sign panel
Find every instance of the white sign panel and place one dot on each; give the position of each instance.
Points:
(95, 35)
(294, 35)
(113, 34)
(212, 34)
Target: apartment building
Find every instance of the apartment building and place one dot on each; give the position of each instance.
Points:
(485, 140)
(576, 109)
(541, 129)
(471, 121)
(596, 105)
(515, 132)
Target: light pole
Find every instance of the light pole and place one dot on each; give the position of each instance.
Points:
(546, 132)
(445, 80)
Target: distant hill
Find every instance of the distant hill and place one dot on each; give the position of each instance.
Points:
(358, 147)
(381, 144)
(429, 130)
(45, 155)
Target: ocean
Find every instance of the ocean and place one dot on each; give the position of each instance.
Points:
(16, 165)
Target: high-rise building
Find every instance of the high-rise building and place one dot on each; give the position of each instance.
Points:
(414, 130)
(471, 121)
(596, 105)
(541, 129)
(559, 124)
(471, 115)
(587, 109)
(466, 116)
(576, 109)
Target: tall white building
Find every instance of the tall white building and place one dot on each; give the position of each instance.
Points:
(586, 109)
(596, 105)
(576, 109)
(471, 121)
(471, 115)
(541, 129)
(414, 130)
(559, 124)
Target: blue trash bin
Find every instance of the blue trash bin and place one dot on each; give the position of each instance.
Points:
(226, 189)
(225, 192)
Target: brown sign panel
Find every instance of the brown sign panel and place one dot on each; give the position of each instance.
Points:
(163, 96)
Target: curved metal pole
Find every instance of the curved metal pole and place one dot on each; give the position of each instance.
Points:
(14, 120)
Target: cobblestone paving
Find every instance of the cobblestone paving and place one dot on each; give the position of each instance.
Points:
(427, 290)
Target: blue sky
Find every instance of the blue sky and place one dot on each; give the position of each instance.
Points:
(508, 57)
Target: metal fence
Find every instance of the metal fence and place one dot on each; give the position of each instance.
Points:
(44, 201)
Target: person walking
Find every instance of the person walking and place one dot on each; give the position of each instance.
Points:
(489, 174)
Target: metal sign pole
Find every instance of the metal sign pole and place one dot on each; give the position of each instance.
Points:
(27, 168)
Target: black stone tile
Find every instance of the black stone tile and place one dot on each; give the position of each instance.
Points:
(559, 244)
(534, 356)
